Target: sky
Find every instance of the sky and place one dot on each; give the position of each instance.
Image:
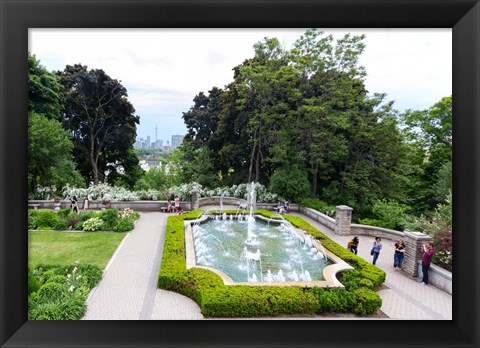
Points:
(163, 69)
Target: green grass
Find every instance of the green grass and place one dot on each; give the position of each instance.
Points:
(66, 247)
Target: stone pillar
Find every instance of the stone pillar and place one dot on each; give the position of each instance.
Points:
(195, 199)
(413, 251)
(343, 220)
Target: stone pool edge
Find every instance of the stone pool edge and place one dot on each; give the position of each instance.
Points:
(329, 272)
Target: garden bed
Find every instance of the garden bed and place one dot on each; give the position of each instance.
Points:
(65, 219)
(219, 300)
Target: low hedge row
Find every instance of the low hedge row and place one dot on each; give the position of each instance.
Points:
(59, 292)
(218, 300)
(65, 219)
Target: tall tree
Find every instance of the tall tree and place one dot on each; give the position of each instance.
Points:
(44, 90)
(50, 160)
(430, 135)
(101, 119)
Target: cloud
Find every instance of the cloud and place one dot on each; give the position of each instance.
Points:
(163, 69)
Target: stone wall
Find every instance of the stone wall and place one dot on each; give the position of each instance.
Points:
(325, 220)
(97, 205)
(438, 277)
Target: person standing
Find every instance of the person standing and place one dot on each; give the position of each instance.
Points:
(177, 203)
(169, 206)
(353, 245)
(74, 204)
(85, 203)
(377, 246)
(398, 255)
(428, 252)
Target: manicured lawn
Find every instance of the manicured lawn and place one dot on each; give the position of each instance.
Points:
(67, 247)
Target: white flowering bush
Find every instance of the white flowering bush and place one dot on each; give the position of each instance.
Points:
(44, 192)
(93, 224)
(184, 191)
(103, 192)
(149, 195)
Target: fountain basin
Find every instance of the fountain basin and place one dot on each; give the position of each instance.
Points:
(324, 276)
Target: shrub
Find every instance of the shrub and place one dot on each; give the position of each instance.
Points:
(70, 306)
(123, 225)
(367, 301)
(52, 290)
(64, 212)
(318, 205)
(34, 282)
(334, 300)
(109, 216)
(388, 214)
(93, 224)
(61, 225)
(56, 299)
(248, 301)
(46, 219)
(32, 220)
(72, 219)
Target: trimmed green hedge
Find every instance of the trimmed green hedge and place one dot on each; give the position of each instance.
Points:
(218, 300)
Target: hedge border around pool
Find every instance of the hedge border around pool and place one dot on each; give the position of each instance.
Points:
(219, 300)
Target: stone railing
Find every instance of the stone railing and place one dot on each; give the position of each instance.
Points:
(325, 220)
(342, 225)
(97, 205)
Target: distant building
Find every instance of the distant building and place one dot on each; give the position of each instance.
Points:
(176, 141)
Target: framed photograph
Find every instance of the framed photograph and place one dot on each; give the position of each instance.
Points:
(18, 17)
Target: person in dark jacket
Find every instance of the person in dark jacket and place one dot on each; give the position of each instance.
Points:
(428, 252)
(398, 255)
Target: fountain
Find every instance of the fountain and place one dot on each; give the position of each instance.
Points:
(254, 250)
(242, 246)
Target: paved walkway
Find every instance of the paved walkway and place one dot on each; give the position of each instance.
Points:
(405, 297)
(128, 289)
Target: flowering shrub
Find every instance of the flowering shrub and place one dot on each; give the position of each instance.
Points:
(93, 224)
(101, 192)
(125, 213)
(73, 278)
(60, 292)
(44, 192)
(105, 192)
(439, 226)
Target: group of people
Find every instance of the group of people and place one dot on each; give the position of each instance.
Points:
(427, 253)
(174, 206)
(282, 207)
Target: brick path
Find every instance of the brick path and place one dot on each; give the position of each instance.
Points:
(405, 297)
(128, 289)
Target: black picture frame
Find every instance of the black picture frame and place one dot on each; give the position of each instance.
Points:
(19, 15)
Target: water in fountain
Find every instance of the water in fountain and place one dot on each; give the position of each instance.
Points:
(251, 237)
(240, 247)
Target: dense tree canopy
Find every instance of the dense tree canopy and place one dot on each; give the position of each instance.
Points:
(301, 113)
(50, 159)
(102, 122)
(44, 91)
